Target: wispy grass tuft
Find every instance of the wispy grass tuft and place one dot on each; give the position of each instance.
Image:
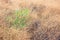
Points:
(20, 18)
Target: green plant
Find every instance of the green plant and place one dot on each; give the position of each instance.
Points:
(20, 18)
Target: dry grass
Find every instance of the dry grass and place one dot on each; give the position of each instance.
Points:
(44, 23)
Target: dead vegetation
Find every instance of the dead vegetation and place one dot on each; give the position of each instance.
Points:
(44, 23)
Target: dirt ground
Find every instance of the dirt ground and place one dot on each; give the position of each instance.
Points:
(45, 20)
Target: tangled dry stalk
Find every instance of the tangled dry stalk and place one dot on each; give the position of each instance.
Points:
(44, 23)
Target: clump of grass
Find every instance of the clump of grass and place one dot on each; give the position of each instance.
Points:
(20, 18)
